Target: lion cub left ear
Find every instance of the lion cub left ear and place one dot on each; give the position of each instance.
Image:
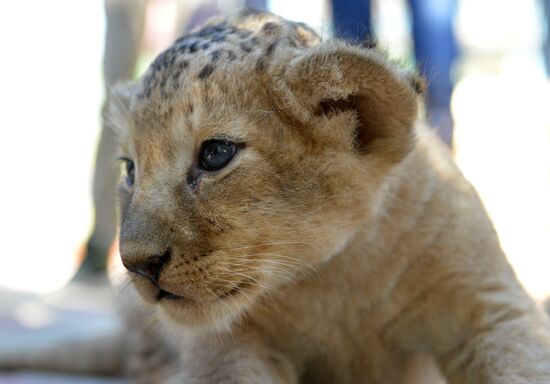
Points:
(334, 76)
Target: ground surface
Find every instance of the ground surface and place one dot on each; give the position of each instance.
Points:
(30, 322)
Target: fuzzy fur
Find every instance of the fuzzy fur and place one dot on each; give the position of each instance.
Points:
(340, 245)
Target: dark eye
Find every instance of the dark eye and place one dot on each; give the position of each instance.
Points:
(130, 171)
(215, 154)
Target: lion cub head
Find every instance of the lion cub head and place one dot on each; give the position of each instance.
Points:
(253, 153)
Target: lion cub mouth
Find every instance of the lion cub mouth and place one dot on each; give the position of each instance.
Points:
(158, 294)
(165, 295)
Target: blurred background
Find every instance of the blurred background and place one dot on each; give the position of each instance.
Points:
(488, 96)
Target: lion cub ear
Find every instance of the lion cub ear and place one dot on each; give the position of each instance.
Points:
(334, 76)
(116, 110)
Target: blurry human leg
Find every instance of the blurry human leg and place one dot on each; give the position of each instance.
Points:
(352, 19)
(260, 5)
(546, 36)
(435, 51)
(125, 20)
(192, 15)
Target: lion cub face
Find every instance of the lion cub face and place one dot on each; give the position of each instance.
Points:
(246, 169)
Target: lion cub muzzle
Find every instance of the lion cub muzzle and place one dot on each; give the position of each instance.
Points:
(150, 267)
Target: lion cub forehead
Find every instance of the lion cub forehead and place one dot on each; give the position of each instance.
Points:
(222, 44)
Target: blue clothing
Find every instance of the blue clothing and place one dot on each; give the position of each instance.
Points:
(434, 46)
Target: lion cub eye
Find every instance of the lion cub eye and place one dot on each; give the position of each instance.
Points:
(130, 171)
(216, 153)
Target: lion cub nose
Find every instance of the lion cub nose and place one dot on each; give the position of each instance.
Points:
(150, 267)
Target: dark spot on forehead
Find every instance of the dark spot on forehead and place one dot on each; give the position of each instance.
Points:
(145, 93)
(194, 46)
(213, 30)
(217, 38)
(271, 27)
(206, 71)
(187, 40)
(216, 55)
(244, 34)
(157, 64)
(260, 64)
(245, 47)
(231, 55)
(231, 30)
(271, 48)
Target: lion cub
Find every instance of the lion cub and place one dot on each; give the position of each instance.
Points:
(289, 220)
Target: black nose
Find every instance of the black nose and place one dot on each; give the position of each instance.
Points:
(151, 267)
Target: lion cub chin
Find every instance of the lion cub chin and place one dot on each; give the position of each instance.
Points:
(287, 217)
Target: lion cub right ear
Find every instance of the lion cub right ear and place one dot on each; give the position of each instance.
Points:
(334, 76)
(116, 110)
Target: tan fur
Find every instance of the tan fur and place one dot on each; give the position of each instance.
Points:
(340, 245)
